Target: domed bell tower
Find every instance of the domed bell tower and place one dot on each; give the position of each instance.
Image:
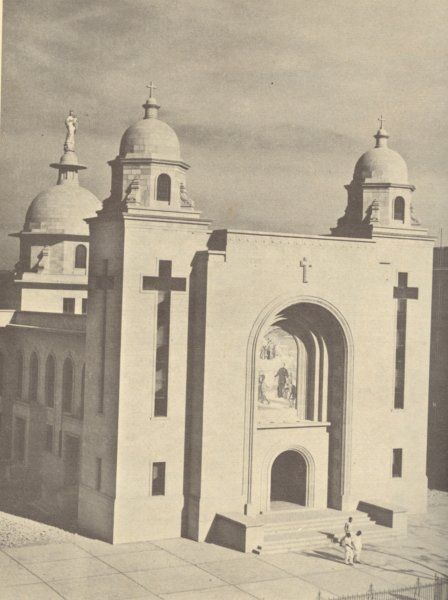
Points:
(148, 173)
(379, 195)
(51, 274)
(142, 244)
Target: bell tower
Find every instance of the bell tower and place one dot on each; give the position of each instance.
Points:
(143, 243)
(148, 174)
(379, 195)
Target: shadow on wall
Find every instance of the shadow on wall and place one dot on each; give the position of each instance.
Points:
(22, 500)
(437, 456)
(9, 297)
(194, 396)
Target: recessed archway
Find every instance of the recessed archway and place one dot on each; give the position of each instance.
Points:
(321, 380)
(289, 475)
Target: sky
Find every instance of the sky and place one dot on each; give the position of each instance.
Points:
(273, 102)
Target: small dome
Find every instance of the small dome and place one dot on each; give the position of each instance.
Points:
(62, 209)
(381, 165)
(150, 138)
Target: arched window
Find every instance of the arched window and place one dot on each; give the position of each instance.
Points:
(19, 375)
(164, 187)
(67, 386)
(83, 386)
(80, 257)
(399, 209)
(50, 372)
(34, 378)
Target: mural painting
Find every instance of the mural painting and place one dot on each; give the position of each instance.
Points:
(277, 376)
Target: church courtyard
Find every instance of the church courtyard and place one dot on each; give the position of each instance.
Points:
(40, 562)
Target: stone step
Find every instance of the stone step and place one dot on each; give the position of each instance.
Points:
(330, 522)
(311, 514)
(316, 531)
(312, 543)
(305, 532)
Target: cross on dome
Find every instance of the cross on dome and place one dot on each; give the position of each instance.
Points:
(381, 135)
(151, 107)
(151, 87)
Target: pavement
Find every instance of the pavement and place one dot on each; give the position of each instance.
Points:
(180, 569)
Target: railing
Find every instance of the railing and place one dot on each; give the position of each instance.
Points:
(436, 590)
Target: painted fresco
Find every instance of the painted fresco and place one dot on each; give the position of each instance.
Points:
(277, 376)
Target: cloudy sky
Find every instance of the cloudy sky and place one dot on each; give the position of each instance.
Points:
(273, 101)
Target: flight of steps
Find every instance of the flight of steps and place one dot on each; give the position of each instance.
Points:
(308, 529)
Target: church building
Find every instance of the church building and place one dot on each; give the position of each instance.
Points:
(155, 383)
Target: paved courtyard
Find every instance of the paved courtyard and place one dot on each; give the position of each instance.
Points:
(179, 569)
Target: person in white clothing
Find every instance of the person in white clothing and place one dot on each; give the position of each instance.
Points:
(357, 546)
(348, 549)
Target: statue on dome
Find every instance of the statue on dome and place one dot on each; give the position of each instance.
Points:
(71, 122)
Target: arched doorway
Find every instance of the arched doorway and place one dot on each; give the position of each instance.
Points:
(288, 480)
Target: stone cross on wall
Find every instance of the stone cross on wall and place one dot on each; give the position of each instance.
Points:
(402, 293)
(305, 265)
(164, 284)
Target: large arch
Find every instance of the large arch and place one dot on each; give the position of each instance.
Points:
(317, 310)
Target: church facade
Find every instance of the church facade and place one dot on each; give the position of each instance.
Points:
(154, 378)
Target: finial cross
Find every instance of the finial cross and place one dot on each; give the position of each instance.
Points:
(151, 87)
(305, 265)
(381, 121)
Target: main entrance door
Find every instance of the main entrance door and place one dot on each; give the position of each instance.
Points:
(288, 480)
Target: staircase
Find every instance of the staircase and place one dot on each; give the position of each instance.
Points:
(297, 530)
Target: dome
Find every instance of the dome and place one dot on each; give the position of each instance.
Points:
(150, 138)
(62, 209)
(381, 164)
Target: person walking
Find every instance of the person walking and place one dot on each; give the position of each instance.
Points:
(348, 526)
(357, 546)
(348, 549)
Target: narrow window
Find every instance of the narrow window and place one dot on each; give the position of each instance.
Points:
(49, 439)
(164, 187)
(80, 257)
(60, 443)
(83, 386)
(67, 386)
(2, 374)
(99, 467)
(19, 376)
(399, 209)
(50, 372)
(20, 439)
(68, 306)
(397, 462)
(84, 306)
(158, 479)
(34, 378)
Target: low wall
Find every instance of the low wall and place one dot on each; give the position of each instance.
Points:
(388, 515)
(239, 533)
